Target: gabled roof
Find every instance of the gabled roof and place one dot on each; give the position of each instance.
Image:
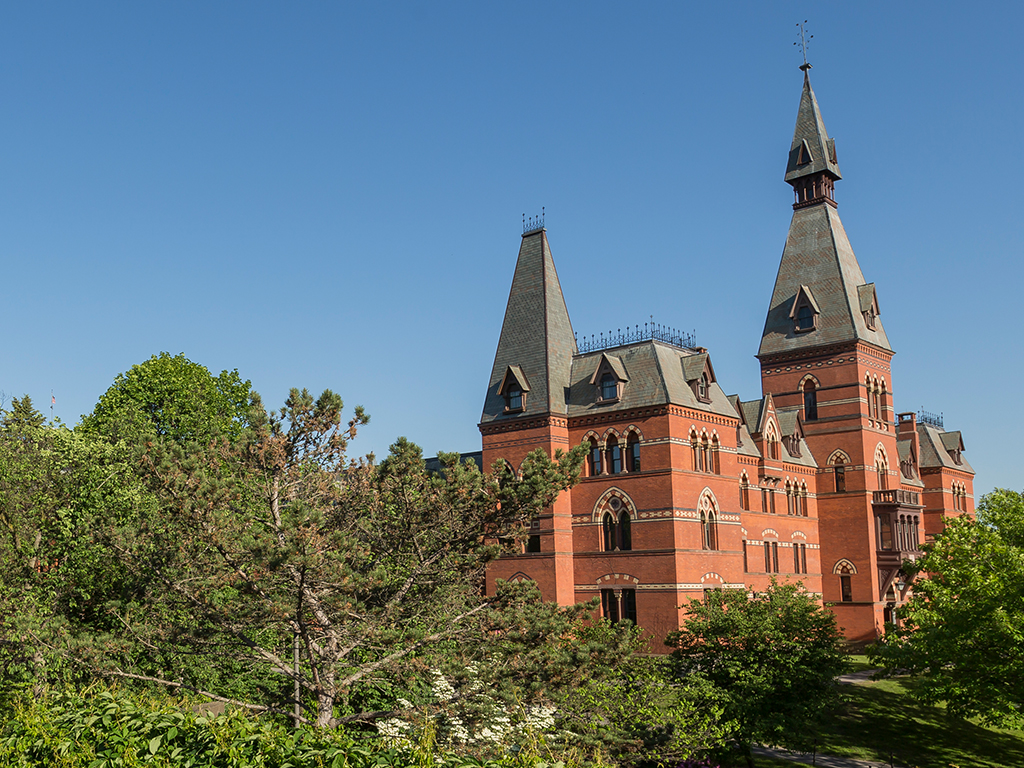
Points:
(934, 453)
(952, 441)
(802, 295)
(516, 373)
(812, 151)
(695, 365)
(868, 298)
(609, 363)
(655, 376)
(536, 335)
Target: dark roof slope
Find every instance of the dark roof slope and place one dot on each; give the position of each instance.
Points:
(536, 335)
(818, 255)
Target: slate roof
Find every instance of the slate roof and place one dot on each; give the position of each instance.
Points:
(536, 335)
(818, 255)
(934, 452)
(811, 137)
(656, 377)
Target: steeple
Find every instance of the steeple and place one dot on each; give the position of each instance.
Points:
(533, 363)
(812, 168)
(820, 297)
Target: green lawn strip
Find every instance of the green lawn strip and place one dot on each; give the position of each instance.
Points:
(881, 719)
(859, 663)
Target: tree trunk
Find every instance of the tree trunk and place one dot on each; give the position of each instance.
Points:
(325, 701)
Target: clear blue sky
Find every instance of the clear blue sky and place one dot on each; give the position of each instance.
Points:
(330, 194)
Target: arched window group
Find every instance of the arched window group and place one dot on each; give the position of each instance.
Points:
(877, 398)
(796, 500)
(882, 469)
(959, 496)
(771, 556)
(771, 439)
(708, 515)
(705, 453)
(615, 527)
(613, 457)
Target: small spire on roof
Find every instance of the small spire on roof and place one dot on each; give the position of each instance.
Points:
(804, 42)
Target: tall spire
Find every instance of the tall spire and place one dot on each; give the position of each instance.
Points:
(813, 167)
(820, 296)
(537, 343)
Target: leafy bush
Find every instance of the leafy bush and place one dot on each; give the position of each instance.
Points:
(111, 729)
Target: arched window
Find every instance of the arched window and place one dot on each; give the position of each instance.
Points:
(772, 442)
(695, 451)
(810, 401)
(744, 494)
(839, 468)
(714, 464)
(771, 557)
(790, 503)
(801, 502)
(882, 469)
(594, 459)
(882, 400)
(614, 455)
(616, 529)
(705, 451)
(633, 452)
(702, 387)
(708, 523)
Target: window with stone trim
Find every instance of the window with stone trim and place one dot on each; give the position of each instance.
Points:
(594, 459)
(810, 401)
(633, 463)
(618, 605)
(617, 528)
(845, 588)
(614, 455)
(708, 516)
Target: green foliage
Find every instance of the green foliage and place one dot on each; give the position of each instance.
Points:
(110, 728)
(771, 661)
(58, 491)
(277, 535)
(171, 397)
(963, 629)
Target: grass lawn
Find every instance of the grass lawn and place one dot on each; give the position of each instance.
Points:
(881, 718)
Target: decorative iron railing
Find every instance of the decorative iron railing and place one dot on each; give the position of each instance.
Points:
(647, 332)
(534, 223)
(927, 417)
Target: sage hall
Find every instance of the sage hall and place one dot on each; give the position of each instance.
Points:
(686, 489)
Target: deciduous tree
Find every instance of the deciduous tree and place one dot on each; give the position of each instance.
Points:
(961, 631)
(771, 660)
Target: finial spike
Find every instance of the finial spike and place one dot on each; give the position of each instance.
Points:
(804, 42)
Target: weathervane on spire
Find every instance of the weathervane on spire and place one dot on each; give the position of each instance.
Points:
(803, 43)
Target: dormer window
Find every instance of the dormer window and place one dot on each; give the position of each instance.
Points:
(609, 387)
(609, 378)
(804, 311)
(514, 388)
(514, 399)
(869, 305)
(699, 374)
(805, 318)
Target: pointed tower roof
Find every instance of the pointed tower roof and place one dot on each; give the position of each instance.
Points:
(821, 297)
(812, 151)
(536, 336)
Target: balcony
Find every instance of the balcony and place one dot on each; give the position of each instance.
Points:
(896, 497)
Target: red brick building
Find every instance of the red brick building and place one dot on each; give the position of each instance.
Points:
(687, 488)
